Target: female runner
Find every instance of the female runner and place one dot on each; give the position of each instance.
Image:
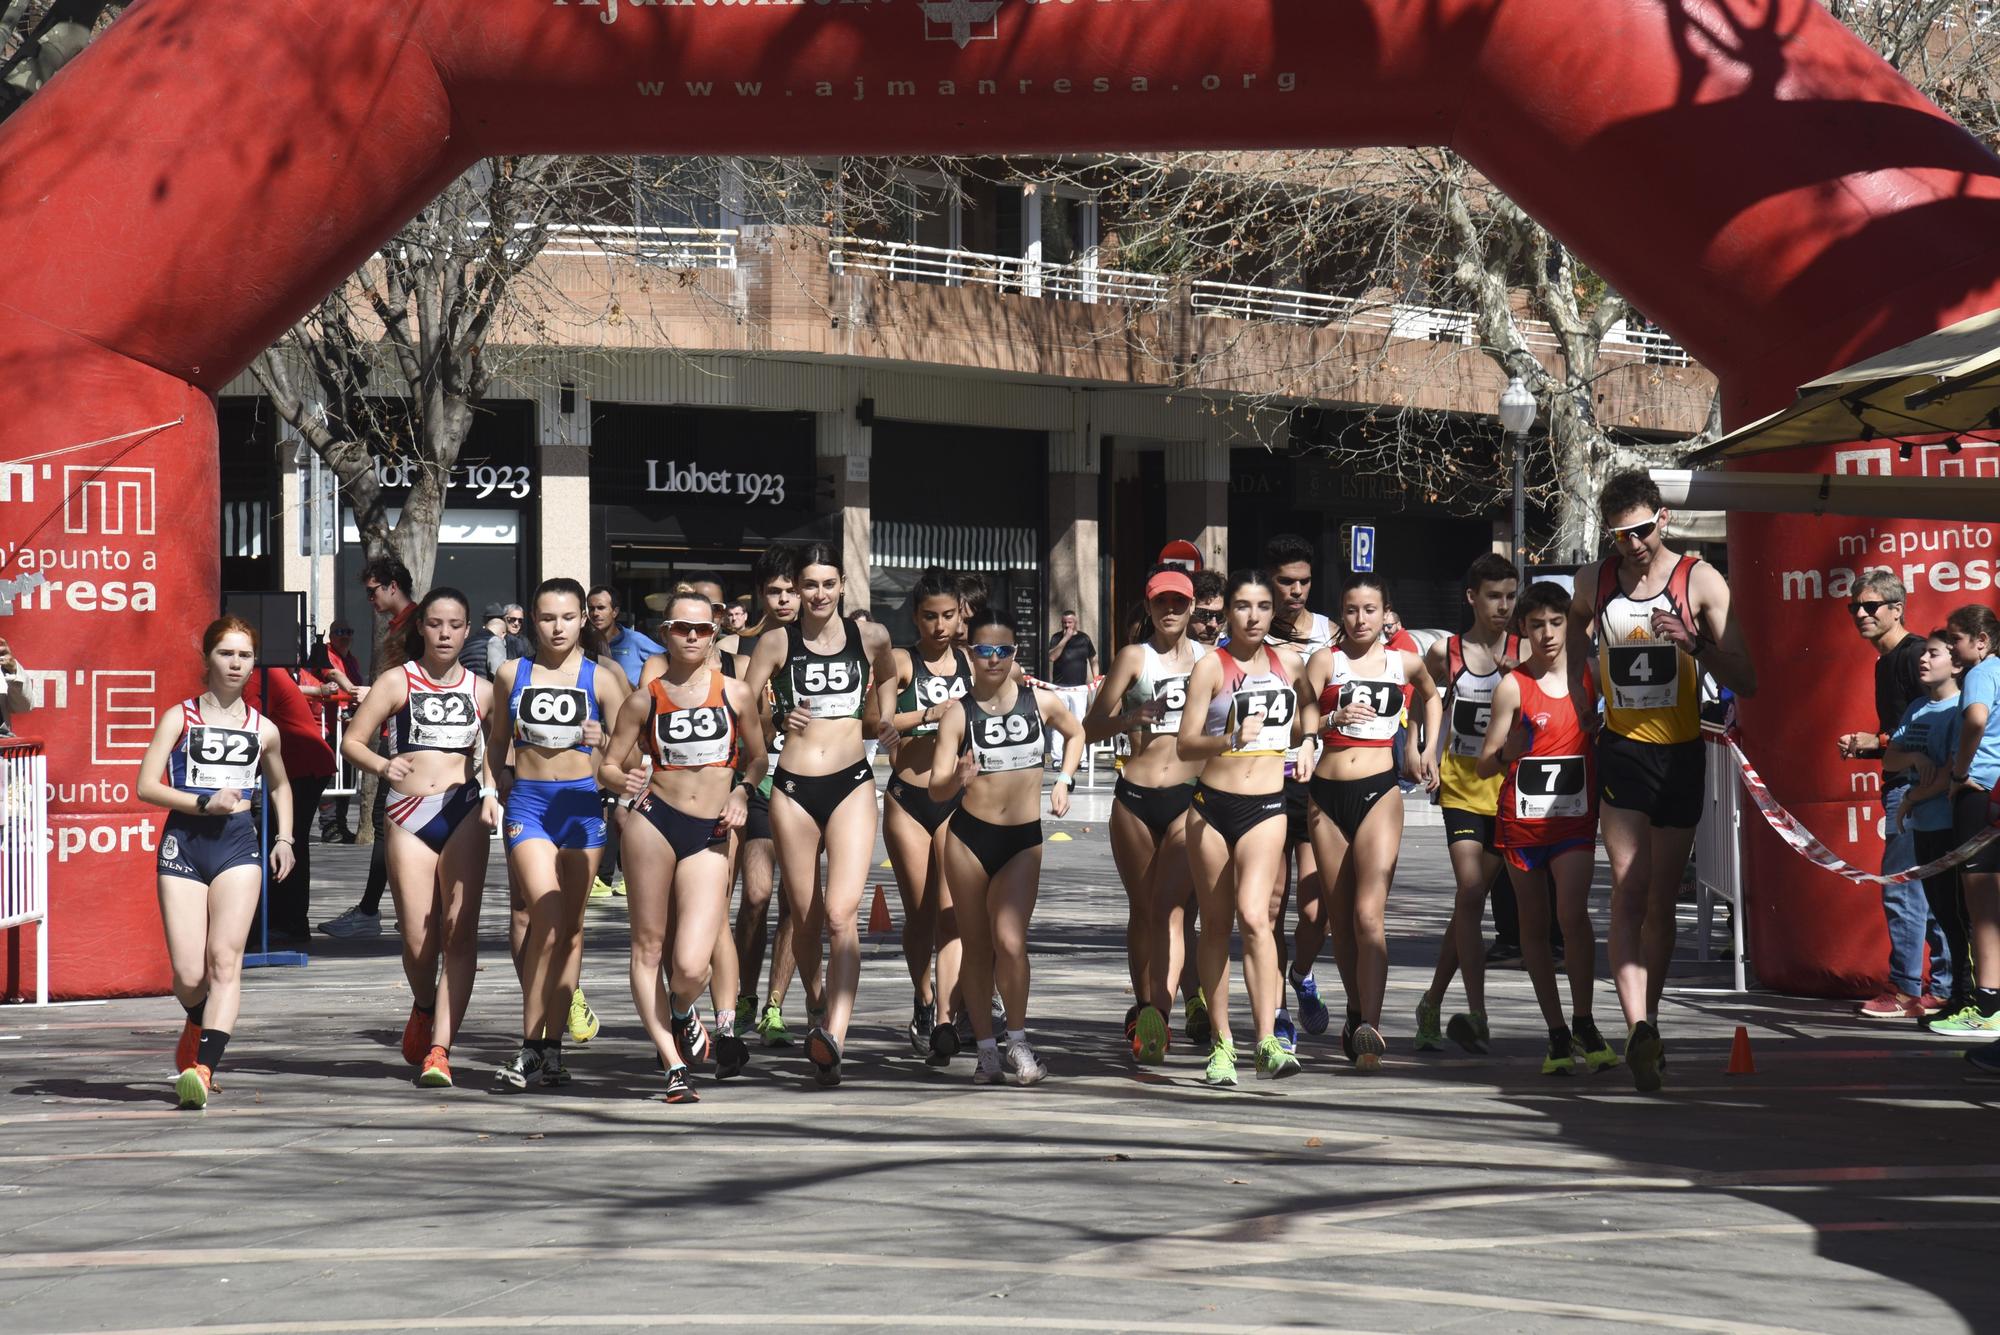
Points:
(202, 766)
(1539, 738)
(993, 849)
(694, 726)
(931, 676)
(1363, 688)
(824, 793)
(552, 709)
(1242, 714)
(1974, 776)
(1148, 683)
(438, 775)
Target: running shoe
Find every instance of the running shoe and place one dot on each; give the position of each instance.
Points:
(194, 1086)
(1149, 1042)
(554, 1073)
(353, 925)
(923, 1019)
(989, 1070)
(771, 1029)
(1273, 1062)
(601, 889)
(1560, 1060)
(944, 1045)
(618, 885)
(680, 1089)
(1132, 1026)
(824, 1054)
(1931, 1004)
(1368, 1049)
(1429, 1036)
(1590, 1044)
(1985, 1063)
(1967, 1022)
(1027, 1068)
(583, 1025)
(746, 1015)
(1284, 1030)
(1194, 1021)
(1468, 1030)
(966, 1038)
(437, 1069)
(732, 1054)
(417, 1035)
(1312, 1011)
(1643, 1054)
(188, 1048)
(692, 1036)
(1221, 1064)
(522, 1070)
(1891, 1005)
(1347, 1036)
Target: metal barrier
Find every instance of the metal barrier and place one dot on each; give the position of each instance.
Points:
(344, 781)
(24, 848)
(1718, 859)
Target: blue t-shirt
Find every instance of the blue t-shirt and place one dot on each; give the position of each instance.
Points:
(631, 650)
(1982, 687)
(1929, 727)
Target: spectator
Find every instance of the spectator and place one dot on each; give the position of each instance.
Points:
(308, 764)
(1877, 609)
(738, 616)
(628, 648)
(387, 583)
(18, 697)
(1072, 664)
(493, 644)
(334, 663)
(1205, 624)
(332, 682)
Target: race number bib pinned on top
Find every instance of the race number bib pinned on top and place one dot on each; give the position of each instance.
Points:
(219, 758)
(1384, 697)
(694, 738)
(1278, 705)
(1006, 742)
(934, 690)
(552, 717)
(443, 720)
(1551, 788)
(1171, 692)
(829, 688)
(1469, 719)
(1644, 676)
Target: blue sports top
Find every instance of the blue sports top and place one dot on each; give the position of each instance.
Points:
(551, 717)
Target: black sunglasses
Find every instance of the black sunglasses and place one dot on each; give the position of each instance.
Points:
(1207, 614)
(1871, 607)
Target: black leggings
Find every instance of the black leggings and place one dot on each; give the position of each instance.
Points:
(1946, 895)
(994, 845)
(822, 794)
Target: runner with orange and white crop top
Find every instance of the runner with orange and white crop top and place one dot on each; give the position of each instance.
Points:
(1539, 746)
(1361, 690)
(699, 758)
(443, 808)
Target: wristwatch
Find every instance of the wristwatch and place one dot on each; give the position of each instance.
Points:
(1067, 780)
(201, 804)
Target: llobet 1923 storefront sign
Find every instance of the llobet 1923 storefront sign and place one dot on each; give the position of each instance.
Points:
(479, 479)
(674, 477)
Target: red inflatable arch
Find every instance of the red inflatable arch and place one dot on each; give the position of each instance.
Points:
(1746, 170)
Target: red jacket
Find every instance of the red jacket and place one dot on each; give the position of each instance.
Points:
(302, 742)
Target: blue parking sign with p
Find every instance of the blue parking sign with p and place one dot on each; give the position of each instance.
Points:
(1362, 555)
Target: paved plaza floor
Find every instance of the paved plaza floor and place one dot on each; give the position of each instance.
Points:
(1848, 1185)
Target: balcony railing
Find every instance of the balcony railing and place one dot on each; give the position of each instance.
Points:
(907, 262)
(669, 247)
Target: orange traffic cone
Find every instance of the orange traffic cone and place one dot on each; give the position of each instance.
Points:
(878, 916)
(1740, 1060)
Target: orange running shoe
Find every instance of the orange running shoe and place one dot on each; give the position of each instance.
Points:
(194, 1086)
(416, 1036)
(437, 1069)
(189, 1046)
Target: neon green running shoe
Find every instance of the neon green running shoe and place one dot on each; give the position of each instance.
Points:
(1273, 1061)
(1150, 1038)
(746, 1014)
(1590, 1044)
(1968, 1023)
(601, 889)
(771, 1027)
(1560, 1060)
(583, 1025)
(1430, 1036)
(1221, 1064)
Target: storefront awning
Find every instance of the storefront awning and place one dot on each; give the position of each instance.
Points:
(956, 547)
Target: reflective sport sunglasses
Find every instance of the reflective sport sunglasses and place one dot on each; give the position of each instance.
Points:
(691, 630)
(1636, 532)
(1871, 606)
(993, 653)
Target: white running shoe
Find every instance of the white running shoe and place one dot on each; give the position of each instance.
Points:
(1026, 1066)
(989, 1070)
(353, 925)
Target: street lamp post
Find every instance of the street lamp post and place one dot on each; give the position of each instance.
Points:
(1517, 416)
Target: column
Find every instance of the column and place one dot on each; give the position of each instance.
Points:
(294, 459)
(843, 447)
(1198, 496)
(563, 490)
(1076, 458)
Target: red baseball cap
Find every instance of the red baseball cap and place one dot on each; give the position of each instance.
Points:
(1170, 581)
